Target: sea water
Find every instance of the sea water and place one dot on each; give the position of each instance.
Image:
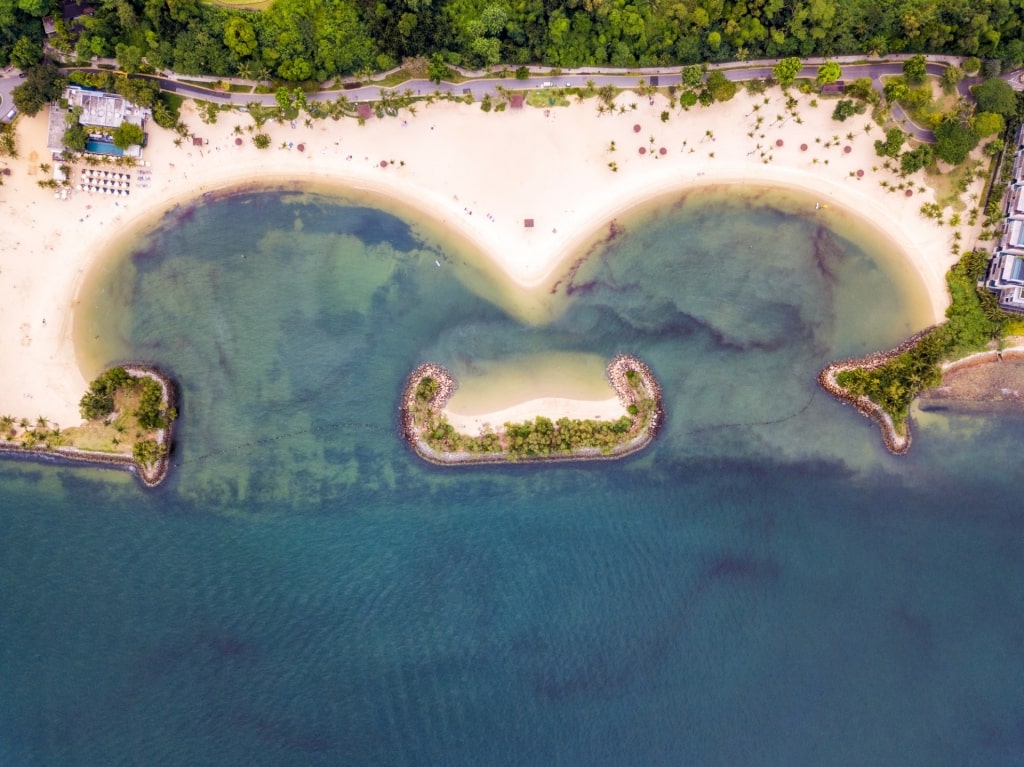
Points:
(763, 586)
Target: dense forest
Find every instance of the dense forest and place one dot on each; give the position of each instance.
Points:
(301, 40)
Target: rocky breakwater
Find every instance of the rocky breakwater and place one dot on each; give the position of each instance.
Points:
(427, 431)
(896, 442)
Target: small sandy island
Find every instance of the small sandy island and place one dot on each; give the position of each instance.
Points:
(529, 188)
(538, 430)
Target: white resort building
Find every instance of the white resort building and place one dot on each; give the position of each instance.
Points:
(102, 113)
(1005, 275)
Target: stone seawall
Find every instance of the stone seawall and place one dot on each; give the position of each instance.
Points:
(616, 372)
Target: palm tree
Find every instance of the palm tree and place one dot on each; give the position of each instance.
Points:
(41, 422)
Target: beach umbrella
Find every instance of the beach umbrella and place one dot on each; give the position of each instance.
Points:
(383, 163)
(909, 193)
(301, 147)
(847, 149)
(643, 150)
(636, 128)
(238, 142)
(803, 147)
(860, 174)
(779, 142)
(663, 150)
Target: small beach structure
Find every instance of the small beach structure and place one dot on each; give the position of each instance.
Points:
(528, 223)
(516, 100)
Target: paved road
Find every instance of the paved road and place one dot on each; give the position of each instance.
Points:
(9, 78)
(853, 68)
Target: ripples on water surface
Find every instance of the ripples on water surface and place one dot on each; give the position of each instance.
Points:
(763, 586)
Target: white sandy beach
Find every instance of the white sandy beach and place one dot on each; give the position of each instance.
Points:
(479, 175)
(551, 407)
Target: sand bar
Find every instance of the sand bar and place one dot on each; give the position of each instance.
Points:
(478, 175)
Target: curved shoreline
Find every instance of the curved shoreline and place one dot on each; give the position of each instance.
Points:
(151, 476)
(441, 165)
(616, 371)
(895, 443)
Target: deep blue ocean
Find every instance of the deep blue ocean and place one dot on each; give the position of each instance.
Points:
(765, 585)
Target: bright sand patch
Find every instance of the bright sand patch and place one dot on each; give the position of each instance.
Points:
(551, 407)
(477, 175)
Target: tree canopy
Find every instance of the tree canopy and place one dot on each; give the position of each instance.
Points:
(954, 141)
(126, 134)
(996, 95)
(785, 71)
(915, 69)
(42, 85)
(314, 40)
(829, 72)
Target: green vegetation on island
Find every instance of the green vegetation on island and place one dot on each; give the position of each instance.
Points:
(126, 416)
(973, 321)
(538, 439)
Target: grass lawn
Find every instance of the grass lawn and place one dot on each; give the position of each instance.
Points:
(116, 434)
(547, 97)
(947, 186)
(931, 103)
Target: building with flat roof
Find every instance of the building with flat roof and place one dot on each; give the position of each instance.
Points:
(1005, 279)
(101, 114)
(1018, 167)
(1015, 205)
(1013, 235)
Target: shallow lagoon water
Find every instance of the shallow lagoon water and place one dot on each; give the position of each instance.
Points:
(764, 585)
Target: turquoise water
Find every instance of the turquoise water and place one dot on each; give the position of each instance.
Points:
(764, 586)
(103, 147)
